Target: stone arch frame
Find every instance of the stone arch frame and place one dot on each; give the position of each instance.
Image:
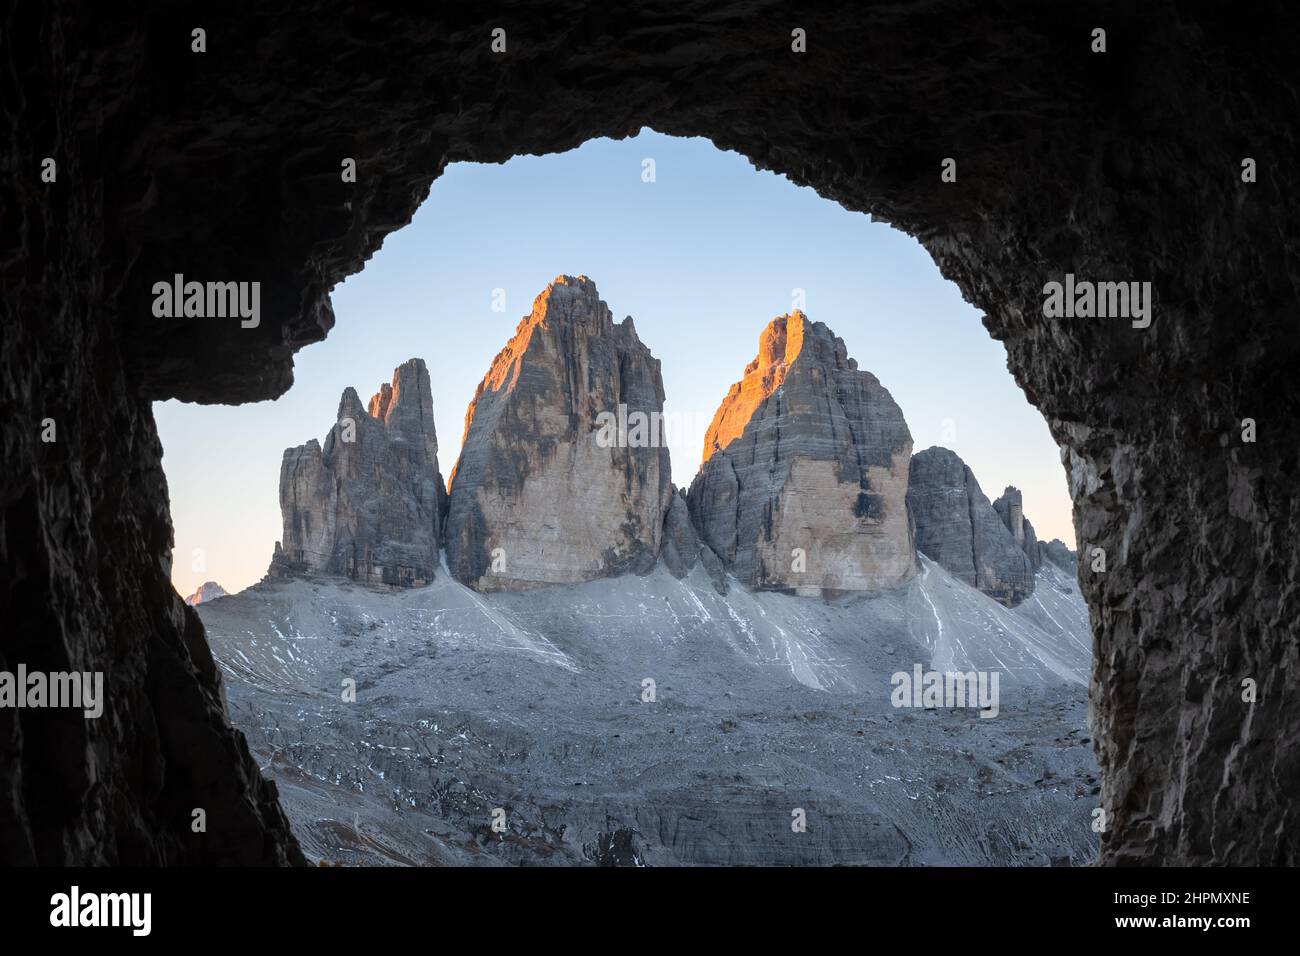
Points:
(1123, 165)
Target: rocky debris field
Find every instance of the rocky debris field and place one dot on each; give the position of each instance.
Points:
(531, 711)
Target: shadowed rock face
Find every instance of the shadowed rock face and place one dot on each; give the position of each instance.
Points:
(682, 549)
(1011, 509)
(563, 475)
(1058, 553)
(369, 504)
(804, 480)
(957, 527)
(1123, 165)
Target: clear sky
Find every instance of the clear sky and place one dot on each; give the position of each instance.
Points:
(701, 258)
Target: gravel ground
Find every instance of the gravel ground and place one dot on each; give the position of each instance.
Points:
(512, 729)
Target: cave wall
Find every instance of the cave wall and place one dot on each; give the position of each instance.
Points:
(225, 165)
(85, 531)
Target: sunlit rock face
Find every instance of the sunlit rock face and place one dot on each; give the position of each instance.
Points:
(958, 528)
(804, 480)
(207, 591)
(563, 475)
(369, 504)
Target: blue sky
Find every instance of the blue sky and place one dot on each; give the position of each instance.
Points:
(701, 258)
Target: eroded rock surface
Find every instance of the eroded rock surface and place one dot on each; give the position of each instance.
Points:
(207, 591)
(533, 702)
(804, 481)
(958, 528)
(682, 549)
(1058, 553)
(546, 490)
(1011, 509)
(369, 504)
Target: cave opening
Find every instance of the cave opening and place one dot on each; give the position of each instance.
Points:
(1118, 165)
(701, 251)
(702, 259)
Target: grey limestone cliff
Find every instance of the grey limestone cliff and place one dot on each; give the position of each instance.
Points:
(958, 528)
(563, 474)
(804, 480)
(368, 504)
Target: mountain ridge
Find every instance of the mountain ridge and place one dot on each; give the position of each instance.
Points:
(808, 483)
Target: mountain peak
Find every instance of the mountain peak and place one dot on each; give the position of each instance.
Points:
(410, 379)
(535, 485)
(568, 298)
(368, 504)
(958, 528)
(804, 476)
(786, 342)
(208, 591)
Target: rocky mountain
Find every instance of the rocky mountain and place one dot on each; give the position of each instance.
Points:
(208, 591)
(369, 504)
(808, 484)
(682, 549)
(1058, 553)
(804, 480)
(563, 474)
(957, 527)
(672, 692)
(1011, 509)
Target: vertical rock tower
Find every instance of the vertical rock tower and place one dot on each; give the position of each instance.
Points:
(1011, 509)
(804, 480)
(958, 528)
(370, 504)
(563, 475)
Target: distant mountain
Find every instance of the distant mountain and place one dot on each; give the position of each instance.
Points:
(1060, 554)
(208, 591)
